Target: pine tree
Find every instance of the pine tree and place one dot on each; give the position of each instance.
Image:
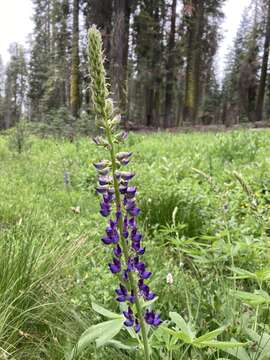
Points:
(264, 67)
(2, 89)
(170, 69)
(15, 85)
(75, 75)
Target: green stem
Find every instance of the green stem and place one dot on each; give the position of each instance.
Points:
(133, 285)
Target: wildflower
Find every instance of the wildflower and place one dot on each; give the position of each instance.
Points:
(169, 279)
(119, 204)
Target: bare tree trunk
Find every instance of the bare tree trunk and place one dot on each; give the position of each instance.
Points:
(119, 54)
(261, 92)
(192, 88)
(170, 70)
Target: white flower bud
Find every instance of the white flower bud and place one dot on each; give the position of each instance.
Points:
(169, 279)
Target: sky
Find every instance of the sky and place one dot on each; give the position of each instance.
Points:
(16, 25)
(233, 10)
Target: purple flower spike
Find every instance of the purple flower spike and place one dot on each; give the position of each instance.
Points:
(115, 267)
(119, 203)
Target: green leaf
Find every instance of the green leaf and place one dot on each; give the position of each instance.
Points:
(182, 325)
(109, 314)
(221, 345)
(120, 345)
(96, 332)
(209, 336)
(262, 340)
(257, 298)
(150, 302)
(110, 332)
(239, 353)
(177, 334)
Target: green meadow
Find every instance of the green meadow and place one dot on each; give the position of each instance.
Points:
(205, 206)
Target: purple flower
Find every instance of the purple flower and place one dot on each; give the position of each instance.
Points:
(117, 251)
(119, 199)
(104, 180)
(102, 189)
(129, 316)
(105, 209)
(101, 165)
(122, 293)
(127, 175)
(123, 155)
(115, 267)
(137, 326)
(152, 319)
(131, 192)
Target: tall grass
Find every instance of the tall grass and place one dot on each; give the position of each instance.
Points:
(51, 256)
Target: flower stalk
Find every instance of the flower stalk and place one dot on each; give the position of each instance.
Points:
(119, 197)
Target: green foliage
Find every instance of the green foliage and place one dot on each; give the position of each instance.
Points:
(19, 139)
(202, 227)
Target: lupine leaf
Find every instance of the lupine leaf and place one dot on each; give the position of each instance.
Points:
(181, 324)
(257, 298)
(110, 332)
(240, 353)
(222, 345)
(95, 332)
(109, 314)
(178, 334)
(209, 336)
(120, 345)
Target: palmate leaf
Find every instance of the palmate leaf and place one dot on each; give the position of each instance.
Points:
(101, 333)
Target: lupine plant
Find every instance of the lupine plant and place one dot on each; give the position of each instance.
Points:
(118, 205)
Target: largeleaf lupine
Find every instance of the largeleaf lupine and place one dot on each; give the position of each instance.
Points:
(119, 204)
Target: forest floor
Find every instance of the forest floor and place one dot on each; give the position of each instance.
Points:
(186, 128)
(205, 201)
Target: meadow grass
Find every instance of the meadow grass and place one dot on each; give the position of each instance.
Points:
(200, 226)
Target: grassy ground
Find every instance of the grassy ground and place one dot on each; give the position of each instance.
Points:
(201, 221)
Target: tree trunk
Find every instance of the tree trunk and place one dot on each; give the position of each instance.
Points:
(261, 92)
(119, 54)
(170, 70)
(192, 88)
(74, 85)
